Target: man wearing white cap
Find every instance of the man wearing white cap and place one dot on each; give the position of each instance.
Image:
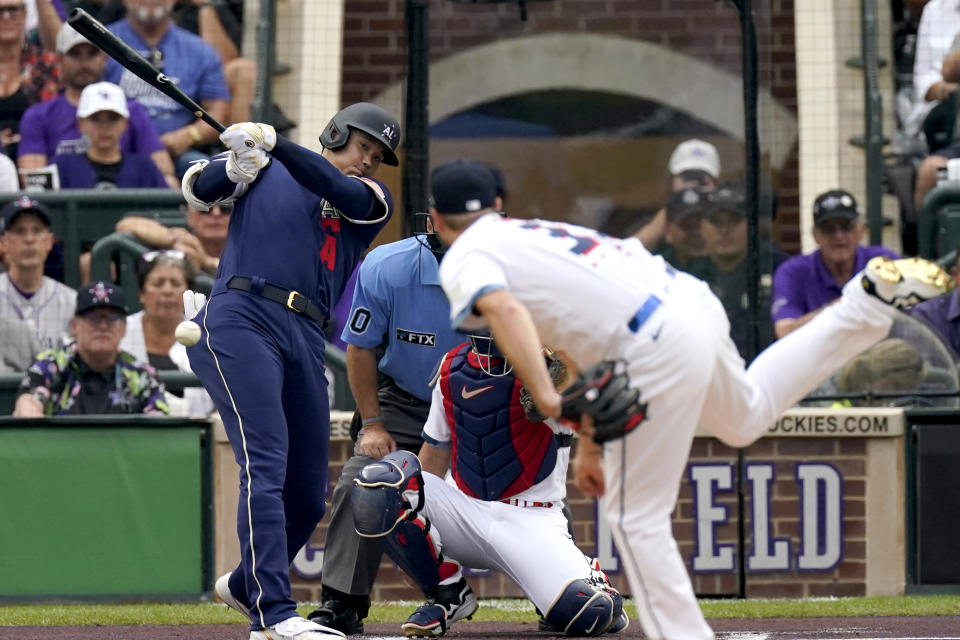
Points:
(102, 116)
(49, 128)
(694, 164)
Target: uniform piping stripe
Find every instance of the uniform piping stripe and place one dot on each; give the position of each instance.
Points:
(246, 455)
(628, 551)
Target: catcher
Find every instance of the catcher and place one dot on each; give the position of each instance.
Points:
(500, 507)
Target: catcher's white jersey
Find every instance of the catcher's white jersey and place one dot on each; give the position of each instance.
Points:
(48, 311)
(597, 283)
(553, 488)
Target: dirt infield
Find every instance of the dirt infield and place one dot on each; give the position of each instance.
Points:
(902, 628)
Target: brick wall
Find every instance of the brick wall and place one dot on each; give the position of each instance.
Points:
(375, 47)
(848, 578)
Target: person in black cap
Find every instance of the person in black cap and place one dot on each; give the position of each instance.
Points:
(724, 232)
(804, 284)
(92, 375)
(25, 292)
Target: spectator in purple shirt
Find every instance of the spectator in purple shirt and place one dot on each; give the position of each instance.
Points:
(49, 128)
(804, 284)
(102, 117)
(942, 314)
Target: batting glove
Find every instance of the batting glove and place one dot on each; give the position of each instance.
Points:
(244, 169)
(249, 135)
(193, 301)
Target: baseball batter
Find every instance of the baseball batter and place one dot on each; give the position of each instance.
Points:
(597, 299)
(300, 223)
(501, 507)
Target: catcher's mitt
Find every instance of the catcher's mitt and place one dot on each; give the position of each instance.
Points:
(558, 371)
(604, 392)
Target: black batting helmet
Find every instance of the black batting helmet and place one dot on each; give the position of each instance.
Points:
(370, 119)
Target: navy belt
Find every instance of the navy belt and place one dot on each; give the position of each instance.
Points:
(293, 300)
(643, 314)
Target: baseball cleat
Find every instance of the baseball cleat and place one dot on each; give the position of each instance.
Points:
(453, 602)
(222, 590)
(339, 615)
(296, 628)
(905, 282)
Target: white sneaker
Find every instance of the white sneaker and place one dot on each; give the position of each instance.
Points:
(905, 282)
(296, 628)
(222, 590)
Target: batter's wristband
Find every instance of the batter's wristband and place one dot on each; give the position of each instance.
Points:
(366, 421)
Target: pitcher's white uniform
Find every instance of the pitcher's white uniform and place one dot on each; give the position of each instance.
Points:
(598, 298)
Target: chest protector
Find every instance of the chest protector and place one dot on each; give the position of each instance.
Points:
(496, 452)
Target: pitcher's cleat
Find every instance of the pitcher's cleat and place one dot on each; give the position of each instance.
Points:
(222, 590)
(905, 282)
(453, 602)
(296, 628)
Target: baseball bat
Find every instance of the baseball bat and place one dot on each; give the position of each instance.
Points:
(123, 53)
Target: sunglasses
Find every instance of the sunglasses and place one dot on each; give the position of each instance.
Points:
(12, 12)
(226, 208)
(172, 254)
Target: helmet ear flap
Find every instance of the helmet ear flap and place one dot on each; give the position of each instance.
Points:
(334, 136)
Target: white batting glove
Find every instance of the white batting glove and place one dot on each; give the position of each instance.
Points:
(244, 169)
(249, 135)
(193, 301)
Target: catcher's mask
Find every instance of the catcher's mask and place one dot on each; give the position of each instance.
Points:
(425, 233)
(491, 360)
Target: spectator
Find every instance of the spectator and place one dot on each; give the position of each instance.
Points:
(684, 248)
(49, 128)
(936, 75)
(890, 365)
(179, 54)
(25, 293)
(724, 230)
(102, 117)
(803, 285)
(220, 24)
(92, 375)
(202, 241)
(19, 346)
(28, 74)
(44, 18)
(162, 277)
(694, 164)
(9, 180)
(942, 314)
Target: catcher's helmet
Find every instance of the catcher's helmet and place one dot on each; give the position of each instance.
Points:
(370, 119)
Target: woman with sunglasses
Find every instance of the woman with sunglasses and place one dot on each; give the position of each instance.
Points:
(162, 277)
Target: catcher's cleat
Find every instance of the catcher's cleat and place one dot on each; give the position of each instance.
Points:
(296, 628)
(905, 282)
(222, 590)
(453, 602)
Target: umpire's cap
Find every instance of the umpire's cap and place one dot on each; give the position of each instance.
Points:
(370, 119)
(462, 186)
